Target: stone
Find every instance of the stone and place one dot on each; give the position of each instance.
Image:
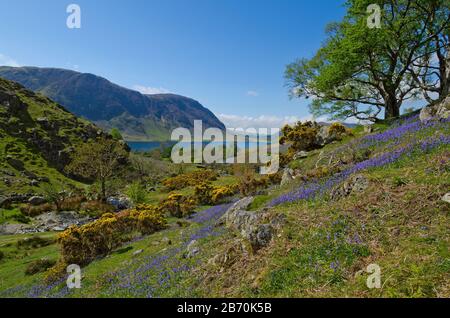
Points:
(446, 198)
(368, 129)
(261, 236)
(287, 176)
(120, 203)
(301, 155)
(37, 200)
(440, 110)
(355, 184)
(192, 249)
(242, 204)
(137, 252)
(166, 240)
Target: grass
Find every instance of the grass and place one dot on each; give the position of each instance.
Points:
(399, 223)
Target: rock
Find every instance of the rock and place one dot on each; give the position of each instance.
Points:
(59, 228)
(357, 183)
(261, 236)
(192, 249)
(138, 252)
(166, 240)
(5, 202)
(287, 176)
(301, 155)
(446, 198)
(120, 203)
(368, 129)
(37, 200)
(229, 215)
(440, 110)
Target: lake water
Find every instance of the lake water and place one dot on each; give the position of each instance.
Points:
(141, 146)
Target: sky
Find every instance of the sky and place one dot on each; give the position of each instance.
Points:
(230, 55)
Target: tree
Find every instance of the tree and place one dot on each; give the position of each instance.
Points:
(361, 71)
(115, 133)
(99, 160)
(431, 68)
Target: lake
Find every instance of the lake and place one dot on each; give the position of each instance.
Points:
(142, 146)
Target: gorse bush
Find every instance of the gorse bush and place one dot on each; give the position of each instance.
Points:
(189, 179)
(80, 245)
(177, 205)
(206, 193)
(39, 266)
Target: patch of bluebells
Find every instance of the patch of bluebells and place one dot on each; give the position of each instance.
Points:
(317, 188)
(146, 276)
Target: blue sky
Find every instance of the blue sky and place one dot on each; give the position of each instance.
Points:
(228, 54)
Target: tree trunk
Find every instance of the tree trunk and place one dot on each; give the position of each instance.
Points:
(392, 108)
(445, 79)
(103, 190)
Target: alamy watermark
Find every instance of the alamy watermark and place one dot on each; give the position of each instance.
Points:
(74, 278)
(213, 145)
(74, 19)
(374, 18)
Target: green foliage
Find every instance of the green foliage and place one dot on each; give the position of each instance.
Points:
(34, 242)
(98, 160)
(137, 193)
(115, 133)
(359, 71)
(39, 266)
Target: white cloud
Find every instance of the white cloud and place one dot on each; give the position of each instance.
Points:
(7, 61)
(252, 93)
(262, 121)
(150, 90)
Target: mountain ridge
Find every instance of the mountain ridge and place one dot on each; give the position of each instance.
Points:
(109, 105)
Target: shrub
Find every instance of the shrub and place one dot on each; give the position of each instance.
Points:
(21, 218)
(96, 208)
(189, 179)
(302, 136)
(339, 131)
(205, 193)
(30, 210)
(34, 242)
(137, 193)
(39, 266)
(56, 272)
(2, 255)
(177, 205)
(150, 219)
(72, 203)
(80, 245)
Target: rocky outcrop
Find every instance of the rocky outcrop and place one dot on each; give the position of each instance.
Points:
(446, 198)
(441, 110)
(255, 226)
(355, 184)
(288, 176)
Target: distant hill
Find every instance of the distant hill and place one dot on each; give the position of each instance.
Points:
(137, 116)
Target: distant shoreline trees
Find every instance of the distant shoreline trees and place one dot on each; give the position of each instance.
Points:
(361, 71)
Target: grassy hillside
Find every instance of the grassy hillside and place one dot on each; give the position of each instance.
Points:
(37, 137)
(323, 248)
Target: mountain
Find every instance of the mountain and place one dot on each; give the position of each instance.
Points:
(37, 137)
(137, 116)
